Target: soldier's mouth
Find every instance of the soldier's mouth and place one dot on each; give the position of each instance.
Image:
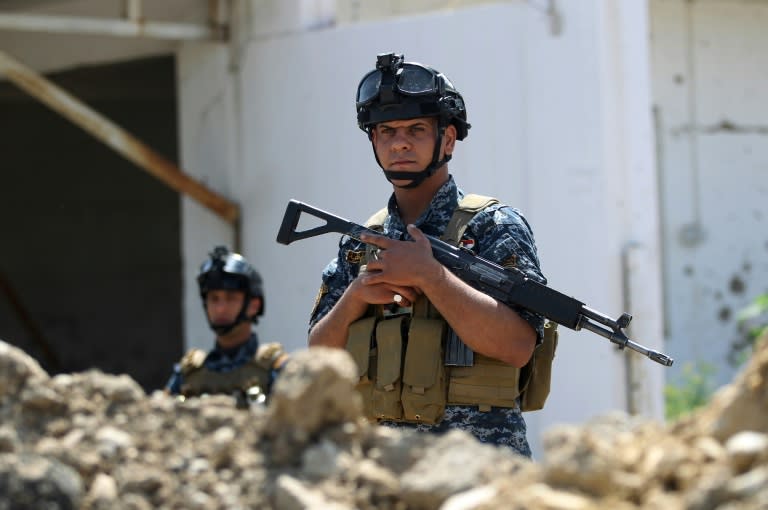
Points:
(403, 163)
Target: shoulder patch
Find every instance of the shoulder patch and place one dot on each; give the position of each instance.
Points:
(355, 256)
(467, 243)
(510, 262)
(320, 293)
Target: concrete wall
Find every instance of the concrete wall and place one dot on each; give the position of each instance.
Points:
(209, 129)
(561, 130)
(711, 89)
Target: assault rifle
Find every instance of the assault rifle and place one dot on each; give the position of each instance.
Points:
(506, 284)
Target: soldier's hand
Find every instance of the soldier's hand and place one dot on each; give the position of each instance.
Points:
(402, 263)
(381, 293)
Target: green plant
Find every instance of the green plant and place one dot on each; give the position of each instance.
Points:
(752, 323)
(694, 391)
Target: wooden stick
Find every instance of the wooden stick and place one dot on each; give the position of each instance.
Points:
(115, 137)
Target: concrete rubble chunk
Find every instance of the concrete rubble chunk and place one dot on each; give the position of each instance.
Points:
(96, 441)
(16, 369)
(746, 447)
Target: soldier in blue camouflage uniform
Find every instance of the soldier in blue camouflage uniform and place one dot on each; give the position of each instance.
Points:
(233, 301)
(413, 116)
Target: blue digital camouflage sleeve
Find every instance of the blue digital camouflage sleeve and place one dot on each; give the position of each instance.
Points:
(173, 386)
(337, 276)
(503, 236)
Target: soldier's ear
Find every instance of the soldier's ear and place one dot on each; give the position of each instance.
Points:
(254, 307)
(449, 139)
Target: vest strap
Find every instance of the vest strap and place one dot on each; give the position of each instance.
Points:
(377, 218)
(468, 207)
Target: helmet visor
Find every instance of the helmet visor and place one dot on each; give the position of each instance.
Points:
(232, 264)
(222, 281)
(410, 79)
(237, 265)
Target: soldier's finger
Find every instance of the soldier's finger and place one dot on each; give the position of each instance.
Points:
(380, 241)
(417, 234)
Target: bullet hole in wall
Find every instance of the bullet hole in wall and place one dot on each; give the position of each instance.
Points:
(737, 285)
(724, 314)
(688, 271)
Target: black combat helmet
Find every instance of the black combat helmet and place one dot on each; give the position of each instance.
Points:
(225, 270)
(399, 90)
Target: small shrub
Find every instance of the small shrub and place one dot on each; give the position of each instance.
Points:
(694, 390)
(752, 323)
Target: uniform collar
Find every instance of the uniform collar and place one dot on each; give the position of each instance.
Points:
(435, 218)
(246, 350)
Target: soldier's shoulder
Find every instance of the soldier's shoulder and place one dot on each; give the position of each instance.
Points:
(271, 355)
(498, 218)
(192, 360)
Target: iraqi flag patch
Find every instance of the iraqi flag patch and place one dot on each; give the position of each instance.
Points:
(467, 243)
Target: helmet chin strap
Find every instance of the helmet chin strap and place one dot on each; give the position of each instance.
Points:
(416, 178)
(223, 329)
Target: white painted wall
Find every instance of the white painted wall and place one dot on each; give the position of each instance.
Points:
(561, 130)
(711, 88)
(209, 151)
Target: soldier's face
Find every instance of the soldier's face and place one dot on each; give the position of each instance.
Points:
(223, 306)
(408, 145)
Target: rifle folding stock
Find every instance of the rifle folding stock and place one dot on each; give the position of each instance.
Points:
(508, 285)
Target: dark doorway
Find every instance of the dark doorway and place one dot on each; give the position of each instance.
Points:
(90, 269)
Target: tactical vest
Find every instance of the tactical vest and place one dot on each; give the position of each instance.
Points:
(252, 378)
(400, 357)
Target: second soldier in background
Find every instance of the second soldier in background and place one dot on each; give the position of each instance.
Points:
(233, 300)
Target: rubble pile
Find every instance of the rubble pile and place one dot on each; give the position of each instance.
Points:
(96, 441)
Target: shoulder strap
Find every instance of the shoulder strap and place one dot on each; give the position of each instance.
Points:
(377, 219)
(470, 205)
